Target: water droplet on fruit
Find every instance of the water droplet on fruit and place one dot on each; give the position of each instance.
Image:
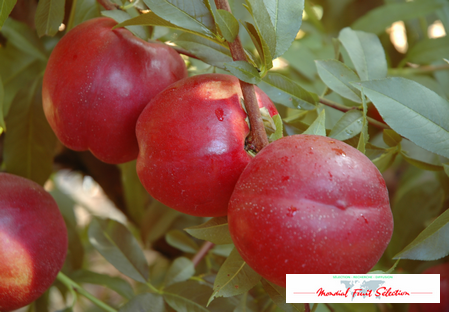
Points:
(220, 114)
(291, 211)
(366, 221)
(339, 151)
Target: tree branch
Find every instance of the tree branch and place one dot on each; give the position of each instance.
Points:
(108, 5)
(202, 252)
(257, 138)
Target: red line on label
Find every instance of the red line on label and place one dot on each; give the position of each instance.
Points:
(421, 293)
(303, 293)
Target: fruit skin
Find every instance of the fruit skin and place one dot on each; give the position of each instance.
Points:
(191, 138)
(98, 81)
(308, 204)
(33, 241)
(443, 306)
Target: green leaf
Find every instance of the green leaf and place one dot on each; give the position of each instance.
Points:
(181, 270)
(215, 230)
(277, 294)
(75, 253)
(431, 244)
(284, 91)
(263, 24)
(121, 16)
(366, 53)
(30, 142)
(418, 198)
(364, 136)
(318, 127)
(6, 7)
(181, 240)
(117, 284)
(260, 44)
(2, 100)
(228, 24)
(49, 16)
(84, 10)
(286, 18)
(348, 126)
(384, 161)
(446, 169)
(428, 51)
(400, 103)
(244, 71)
(114, 242)
(157, 220)
(146, 302)
(235, 277)
(136, 197)
(279, 129)
(380, 18)
(391, 138)
(192, 15)
(337, 76)
(23, 38)
(206, 50)
(420, 157)
(183, 296)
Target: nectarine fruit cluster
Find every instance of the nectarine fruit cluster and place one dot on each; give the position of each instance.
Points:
(304, 204)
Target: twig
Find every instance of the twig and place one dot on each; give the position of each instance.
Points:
(258, 137)
(108, 5)
(418, 70)
(329, 307)
(306, 307)
(202, 252)
(344, 109)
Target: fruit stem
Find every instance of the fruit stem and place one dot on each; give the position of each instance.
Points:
(72, 285)
(306, 307)
(257, 138)
(344, 109)
(202, 252)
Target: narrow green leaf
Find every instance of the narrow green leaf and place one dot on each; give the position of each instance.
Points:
(364, 136)
(206, 50)
(228, 24)
(75, 253)
(286, 18)
(114, 242)
(117, 284)
(420, 157)
(446, 169)
(384, 161)
(181, 270)
(84, 10)
(263, 22)
(428, 51)
(420, 164)
(400, 103)
(49, 16)
(277, 294)
(244, 71)
(23, 38)
(183, 297)
(337, 76)
(380, 18)
(348, 126)
(181, 240)
(157, 220)
(431, 244)
(284, 91)
(260, 44)
(6, 7)
(121, 16)
(136, 197)
(191, 15)
(318, 127)
(215, 230)
(30, 142)
(235, 277)
(366, 53)
(391, 138)
(2, 100)
(279, 133)
(146, 302)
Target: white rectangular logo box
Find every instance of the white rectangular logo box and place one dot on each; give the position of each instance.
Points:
(363, 288)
